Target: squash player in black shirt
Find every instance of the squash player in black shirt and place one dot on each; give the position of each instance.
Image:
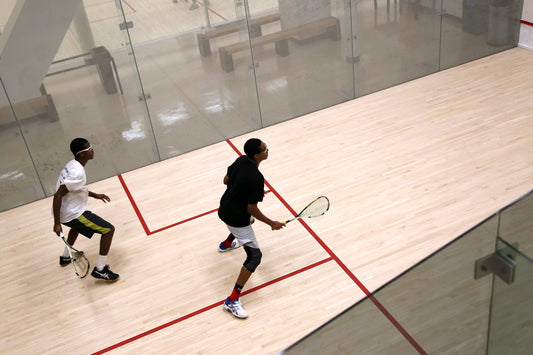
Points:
(238, 209)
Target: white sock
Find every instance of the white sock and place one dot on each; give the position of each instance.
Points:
(101, 262)
(65, 252)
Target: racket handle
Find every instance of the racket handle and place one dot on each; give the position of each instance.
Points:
(287, 221)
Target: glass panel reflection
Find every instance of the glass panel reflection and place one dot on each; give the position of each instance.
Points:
(300, 61)
(191, 100)
(397, 41)
(473, 29)
(19, 182)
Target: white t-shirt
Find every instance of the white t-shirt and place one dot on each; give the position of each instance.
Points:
(75, 202)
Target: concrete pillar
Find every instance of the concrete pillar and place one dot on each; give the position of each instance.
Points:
(29, 43)
(82, 30)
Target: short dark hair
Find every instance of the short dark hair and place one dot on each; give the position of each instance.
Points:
(77, 144)
(251, 147)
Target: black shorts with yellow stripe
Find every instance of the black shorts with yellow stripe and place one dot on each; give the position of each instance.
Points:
(89, 223)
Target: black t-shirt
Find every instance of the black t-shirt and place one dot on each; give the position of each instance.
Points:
(245, 186)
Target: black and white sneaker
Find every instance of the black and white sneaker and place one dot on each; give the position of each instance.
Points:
(105, 274)
(235, 307)
(64, 260)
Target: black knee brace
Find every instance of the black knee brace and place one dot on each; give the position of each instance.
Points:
(253, 258)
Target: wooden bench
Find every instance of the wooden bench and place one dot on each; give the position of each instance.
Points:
(41, 105)
(255, 24)
(280, 40)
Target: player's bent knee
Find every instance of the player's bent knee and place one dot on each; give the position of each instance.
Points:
(253, 258)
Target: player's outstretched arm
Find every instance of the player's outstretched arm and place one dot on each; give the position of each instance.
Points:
(257, 214)
(102, 197)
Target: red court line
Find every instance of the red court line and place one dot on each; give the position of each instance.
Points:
(128, 5)
(211, 10)
(185, 220)
(281, 278)
(134, 205)
(233, 147)
(115, 16)
(205, 309)
(363, 288)
(141, 218)
(526, 22)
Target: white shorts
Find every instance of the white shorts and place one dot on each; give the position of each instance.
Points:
(245, 235)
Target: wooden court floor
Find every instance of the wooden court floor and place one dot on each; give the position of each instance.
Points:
(406, 169)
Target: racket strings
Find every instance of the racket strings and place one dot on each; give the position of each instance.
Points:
(80, 263)
(316, 208)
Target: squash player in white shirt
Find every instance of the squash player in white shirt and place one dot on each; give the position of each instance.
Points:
(70, 209)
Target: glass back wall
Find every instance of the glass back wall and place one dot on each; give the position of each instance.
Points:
(148, 80)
